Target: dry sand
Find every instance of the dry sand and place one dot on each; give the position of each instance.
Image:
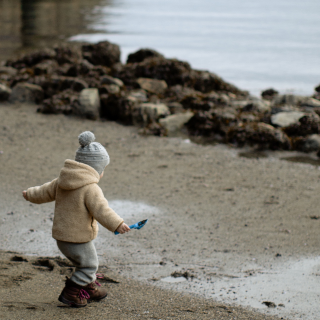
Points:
(239, 229)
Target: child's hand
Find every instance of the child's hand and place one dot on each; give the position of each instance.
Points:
(24, 193)
(123, 228)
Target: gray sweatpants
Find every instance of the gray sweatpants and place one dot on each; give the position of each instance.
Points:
(85, 259)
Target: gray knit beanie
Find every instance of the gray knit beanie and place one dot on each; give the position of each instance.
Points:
(92, 153)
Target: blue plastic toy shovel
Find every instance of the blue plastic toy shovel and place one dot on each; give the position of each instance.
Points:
(137, 225)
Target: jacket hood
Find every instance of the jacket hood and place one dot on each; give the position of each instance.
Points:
(75, 175)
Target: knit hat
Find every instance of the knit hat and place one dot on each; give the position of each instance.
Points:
(92, 153)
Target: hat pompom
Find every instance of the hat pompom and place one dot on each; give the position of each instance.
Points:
(85, 138)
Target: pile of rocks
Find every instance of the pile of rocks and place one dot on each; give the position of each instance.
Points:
(160, 95)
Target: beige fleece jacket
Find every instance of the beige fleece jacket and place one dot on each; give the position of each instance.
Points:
(80, 203)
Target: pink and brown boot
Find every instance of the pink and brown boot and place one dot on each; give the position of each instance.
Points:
(74, 295)
(95, 291)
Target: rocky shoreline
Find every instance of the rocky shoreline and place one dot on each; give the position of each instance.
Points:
(160, 95)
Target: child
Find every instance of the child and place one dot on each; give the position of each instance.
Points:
(80, 203)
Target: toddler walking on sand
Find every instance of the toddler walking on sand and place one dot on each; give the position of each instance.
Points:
(79, 204)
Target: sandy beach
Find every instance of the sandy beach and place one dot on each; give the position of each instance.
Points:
(232, 231)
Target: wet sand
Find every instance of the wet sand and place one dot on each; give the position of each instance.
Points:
(224, 222)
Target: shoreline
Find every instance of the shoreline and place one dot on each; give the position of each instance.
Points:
(226, 220)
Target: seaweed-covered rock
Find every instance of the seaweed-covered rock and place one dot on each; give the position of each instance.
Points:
(111, 80)
(269, 94)
(67, 54)
(117, 108)
(109, 89)
(64, 102)
(306, 125)
(196, 102)
(31, 59)
(308, 144)
(7, 72)
(143, 54)
(103, 53)
(55, 84)
(26, 92)
(205, 81)
(45, 67)
(170, 70)
(261, 134)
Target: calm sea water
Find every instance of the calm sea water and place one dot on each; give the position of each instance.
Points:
(255, 44)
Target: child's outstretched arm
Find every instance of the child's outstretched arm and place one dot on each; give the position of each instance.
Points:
(98, 206)
(42, 194)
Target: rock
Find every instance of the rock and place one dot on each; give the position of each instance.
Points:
(30, 60)
(261, 134)
(64, 102)
(110, 80)
(172, 71)
(153, 86)
(317, 89)
(45, 67)
(310, 103)
(288, 99)
(285, 119)
(175, 122)
(269, 94)
(205, 81)
(258, 105)
(308, 124)
(150, 112)
(102, 53)
(109, 89)
(175, 107)
(66, 54)
(139, 95)
(27, 92)
(4, 92)
(196, 102)
(143, 54)
(56, 84)
(118, 108)
(308, 144)
(8, 71)
(89, 104)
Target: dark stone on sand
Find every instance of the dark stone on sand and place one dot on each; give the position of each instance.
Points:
(102, 53)
(143, 54)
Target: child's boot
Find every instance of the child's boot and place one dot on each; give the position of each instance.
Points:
(74, 295)
(95, 291)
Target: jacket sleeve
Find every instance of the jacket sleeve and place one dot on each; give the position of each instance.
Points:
(99, 208)
(44, 193)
